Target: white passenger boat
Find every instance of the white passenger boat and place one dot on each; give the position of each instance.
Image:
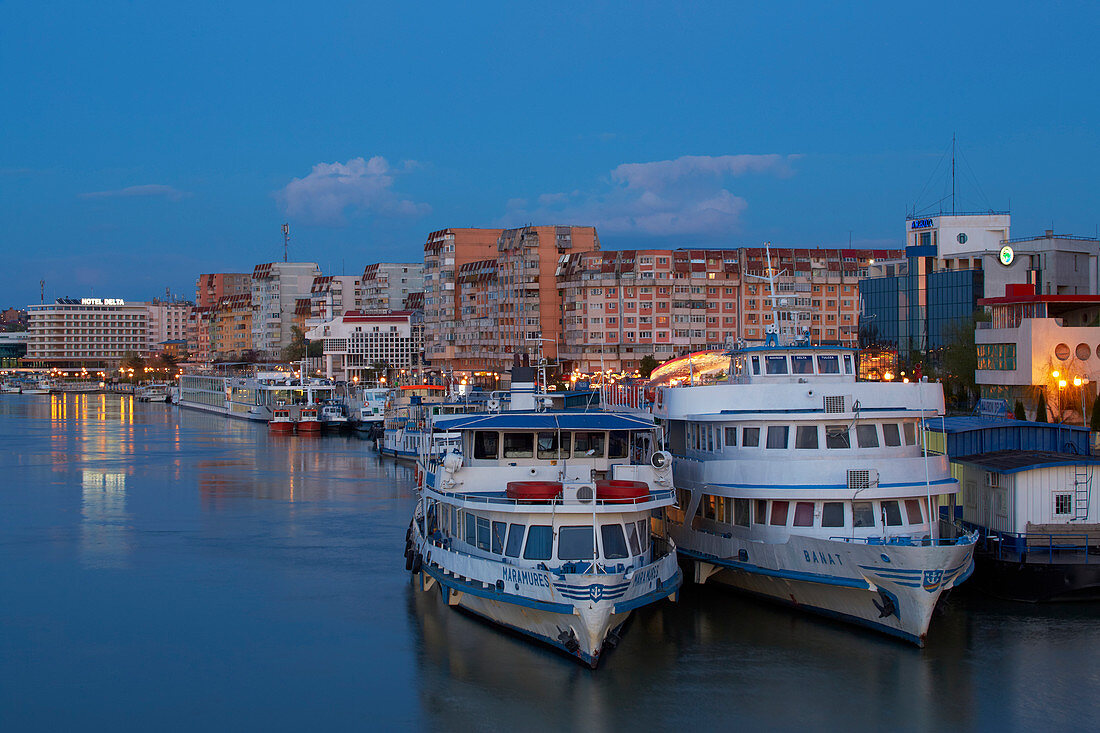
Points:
(152, 393)
(253, 397)
(542, 524)
(371, 403)
(797, 483)
(36, 386)
(332, 416)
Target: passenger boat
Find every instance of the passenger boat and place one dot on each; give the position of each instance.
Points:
(10, 387)
(407, 415)
(36, 386)
(281, 421)
(333, 417)
(152, 393)
(253, 396)
(372, 410)
(308, 420)
(543, 523)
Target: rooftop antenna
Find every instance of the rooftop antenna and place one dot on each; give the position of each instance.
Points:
(952, 173)
(286, 240)
(41, 291)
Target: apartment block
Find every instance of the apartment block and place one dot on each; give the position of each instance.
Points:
(199, 324)
(331, 296)
(353, 342)
(212, 287)
(618, 307)
(445, 251)
(276, 287)
(231, 328)
(385, 285)
(168, 321)
(85, 333)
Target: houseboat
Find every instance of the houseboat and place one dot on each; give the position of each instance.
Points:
(251, 397)
(544, 522)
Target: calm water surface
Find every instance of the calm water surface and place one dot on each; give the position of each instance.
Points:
(169, 569)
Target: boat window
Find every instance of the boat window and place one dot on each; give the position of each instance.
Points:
(847, 363)
(710, 438)
(832, 514)
(892, 512)
(708, 506)
(519, 445)
(632, 537)
(802, 364)
(805, 436)
(750, 437)
(741, 512)
(548, 446)
(643, 534)
(775, 363)
(755, 364)
(731, 437)
(779, 513)
(515, 540)
(540, 543)
(910, 430)
(471, 529)
(761, 516)
(777, 436)
(891, 436)
(499, 530)
(836, 436)
(575, 543)
(614, 545)
(829, 364)
(804, 514)
(717, 437)
(588, 444)
(618, 444)
(454, 523)
(485, 444)
(482, 533)
(863, 514)
(912, 508)
(866, 436)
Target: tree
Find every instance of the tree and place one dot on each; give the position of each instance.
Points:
(1041, 407)
(297, 348)
(1019, 412)
(1094, 421)
(960, 355)
(647, 365)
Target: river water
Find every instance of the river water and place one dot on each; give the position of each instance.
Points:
(164, 568)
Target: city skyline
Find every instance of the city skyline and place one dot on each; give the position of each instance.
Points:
(663, 128)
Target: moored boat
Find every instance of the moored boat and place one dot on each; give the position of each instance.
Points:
(281, 421)
(308, 420)
(543, 523)
(332, 416)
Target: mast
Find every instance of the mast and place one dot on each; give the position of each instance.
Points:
(952, 173)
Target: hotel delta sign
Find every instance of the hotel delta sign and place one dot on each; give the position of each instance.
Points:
(102, 301)
(997, 357)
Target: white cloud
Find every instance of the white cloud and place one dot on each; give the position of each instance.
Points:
(685, 196)
(333, 190)
(147, 190)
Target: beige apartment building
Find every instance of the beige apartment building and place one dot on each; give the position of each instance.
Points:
(231, 328)
(384, 286)
(276, 288)
(445, 252)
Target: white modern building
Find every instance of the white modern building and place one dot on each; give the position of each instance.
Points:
(276, 286)
(385, 285)
(86, 333)
(354, 342)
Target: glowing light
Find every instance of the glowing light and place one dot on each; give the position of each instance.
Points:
(1077, 382)
(887, 376)
(1056, 374)
(1061, 383)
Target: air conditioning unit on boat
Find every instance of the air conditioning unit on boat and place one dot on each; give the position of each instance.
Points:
(578, 493)
(835, 403)
(862, 478)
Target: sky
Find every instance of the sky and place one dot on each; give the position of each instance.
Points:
(144, 143)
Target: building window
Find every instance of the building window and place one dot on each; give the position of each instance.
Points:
(1063, 504)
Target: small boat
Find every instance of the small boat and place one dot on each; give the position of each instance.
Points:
(308, 420)
(546, 523)
(36, 386)
(10, 388)
(333, 417)
(281, 421)
(154, 392)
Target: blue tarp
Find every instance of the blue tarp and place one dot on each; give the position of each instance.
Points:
(544, 421)
(968, 435)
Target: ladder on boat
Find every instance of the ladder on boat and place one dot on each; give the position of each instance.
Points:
(1082, 485)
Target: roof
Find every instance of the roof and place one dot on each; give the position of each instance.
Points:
(965, 423)
(1050, 298)
(1015, 461)
(545, 421)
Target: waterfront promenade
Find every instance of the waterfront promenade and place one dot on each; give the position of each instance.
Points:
(169, 569)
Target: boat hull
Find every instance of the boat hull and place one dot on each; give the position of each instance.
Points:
(889, 588)
(1034, 582)
(282, 428)
(309, 426)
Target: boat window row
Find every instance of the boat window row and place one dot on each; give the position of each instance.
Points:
(786, 513)
(551, 444)
(715, 437)
(536, 541)
(778, 364)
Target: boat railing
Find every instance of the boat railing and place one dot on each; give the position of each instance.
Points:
(479, 498)
(568, 567)
(1048, 547)
(905, 541)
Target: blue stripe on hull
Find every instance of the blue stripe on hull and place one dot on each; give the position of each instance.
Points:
(493, 594)
(785, 574)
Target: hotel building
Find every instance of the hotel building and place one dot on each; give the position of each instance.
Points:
(276, 286)
(384, 286)
(95, 334)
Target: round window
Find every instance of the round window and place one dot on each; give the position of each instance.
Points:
(1062, 352)
(961, 238)
(1083, 352)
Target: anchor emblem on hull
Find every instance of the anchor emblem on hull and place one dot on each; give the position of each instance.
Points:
(595, 592)
(932, 579)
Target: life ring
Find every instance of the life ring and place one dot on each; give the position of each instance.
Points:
(660, 396)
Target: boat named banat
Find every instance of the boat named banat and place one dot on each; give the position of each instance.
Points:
(797, 483)
(546, 521)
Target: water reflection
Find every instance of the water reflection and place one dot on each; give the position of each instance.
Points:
(104, 521)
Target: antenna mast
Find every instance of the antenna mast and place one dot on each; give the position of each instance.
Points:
(41, 291)
(952, 173)
(286, 240)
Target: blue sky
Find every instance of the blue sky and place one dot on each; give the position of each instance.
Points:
(144, 143)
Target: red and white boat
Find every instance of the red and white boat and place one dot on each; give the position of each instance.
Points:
(281, 421)
(308, 421)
